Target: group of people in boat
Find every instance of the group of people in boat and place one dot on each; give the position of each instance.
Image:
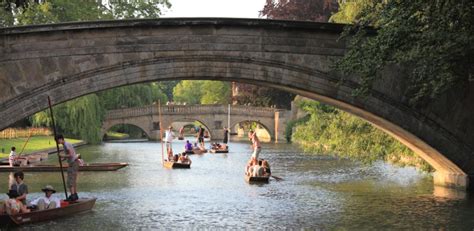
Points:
(190, 148)
(256, 167)
(181, 157)
(18, 190)
(218, 146)
(17, 198)
(199, 145)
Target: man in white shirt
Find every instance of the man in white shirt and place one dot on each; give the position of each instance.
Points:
(48, 201)
(169, 137)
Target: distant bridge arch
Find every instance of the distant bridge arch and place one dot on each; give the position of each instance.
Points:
(213, 118)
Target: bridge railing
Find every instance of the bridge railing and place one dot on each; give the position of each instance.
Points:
(191, 110)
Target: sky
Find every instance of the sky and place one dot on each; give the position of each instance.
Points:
(215, 8)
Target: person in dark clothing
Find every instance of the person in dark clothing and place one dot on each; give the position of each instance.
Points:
(201, 136)
(226, 135)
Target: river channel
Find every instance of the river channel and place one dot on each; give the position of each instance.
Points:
(318, 192)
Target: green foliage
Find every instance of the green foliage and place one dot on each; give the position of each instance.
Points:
(54, 11)
(254, 95)
(215, 92)
(188, 92)
(167, 87)
(331, 131)
(432, 39)
(291, 124)
(80, 118)
(349, 10)
(202, 92)
(136, 9)
(132, 96)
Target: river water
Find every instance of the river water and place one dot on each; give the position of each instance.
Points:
(318, 192)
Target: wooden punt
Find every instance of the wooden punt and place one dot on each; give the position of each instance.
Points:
(196, 151)
(170, 164)
(54, 168)
(81, 205)
(219, 151)
(255, 179)
(35, 158)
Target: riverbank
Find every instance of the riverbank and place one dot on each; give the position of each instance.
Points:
(34, 145)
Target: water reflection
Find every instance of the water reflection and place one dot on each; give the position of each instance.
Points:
(317, 192)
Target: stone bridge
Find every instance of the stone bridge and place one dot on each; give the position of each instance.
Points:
(213, 117)
(69, 60)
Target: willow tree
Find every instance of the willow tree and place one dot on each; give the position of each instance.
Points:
(79, 118)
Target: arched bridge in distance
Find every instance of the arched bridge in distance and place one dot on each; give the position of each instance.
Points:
(65, 61)
(213, 117)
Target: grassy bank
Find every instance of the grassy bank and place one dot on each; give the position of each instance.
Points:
(36, 143)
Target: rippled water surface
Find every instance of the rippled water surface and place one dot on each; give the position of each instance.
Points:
(317, 192)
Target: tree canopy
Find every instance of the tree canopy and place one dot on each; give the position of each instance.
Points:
(433, 40)
(82, 117)
(27, 12)
(300, 10)
(202, 92)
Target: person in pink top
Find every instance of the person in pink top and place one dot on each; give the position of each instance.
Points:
(255, 145)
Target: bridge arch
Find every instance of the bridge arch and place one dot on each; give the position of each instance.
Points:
(268, 127)
(66, 61)
(191, 120)
(106, 127)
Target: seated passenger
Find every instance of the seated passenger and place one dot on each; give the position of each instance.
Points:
(80, 160)
(248, 167)
(185, 159)
(257, 170)
(202, 148)
(48, 201)
(14, 206)
(224, 147)
(175, 158)
(188, 147)
(170, 154)
(266, 168)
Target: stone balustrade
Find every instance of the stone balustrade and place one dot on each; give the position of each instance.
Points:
(192, 110)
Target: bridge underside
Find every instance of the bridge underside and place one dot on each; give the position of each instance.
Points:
(71, 60)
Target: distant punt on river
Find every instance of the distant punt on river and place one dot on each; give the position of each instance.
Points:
(55, 168)
(170, 164)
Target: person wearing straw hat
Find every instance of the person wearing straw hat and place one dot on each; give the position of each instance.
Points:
(48, 201)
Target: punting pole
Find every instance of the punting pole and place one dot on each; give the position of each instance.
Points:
(57, 145)
(161, 133)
